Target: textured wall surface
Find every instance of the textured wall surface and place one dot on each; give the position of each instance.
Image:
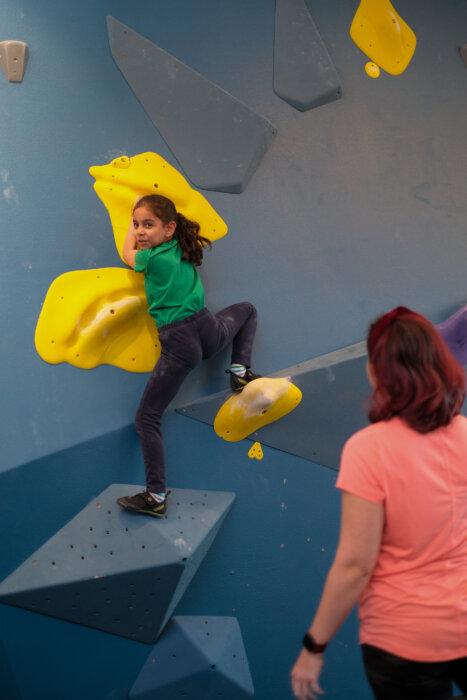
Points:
(357, 206)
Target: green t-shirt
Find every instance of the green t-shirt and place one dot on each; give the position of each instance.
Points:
(173, 286)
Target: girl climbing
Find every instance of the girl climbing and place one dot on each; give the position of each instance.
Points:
(167, 248)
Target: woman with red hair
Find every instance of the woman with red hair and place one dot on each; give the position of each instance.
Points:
(402, 551)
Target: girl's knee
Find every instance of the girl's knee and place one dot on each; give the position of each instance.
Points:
(249, 307)
(252, 313)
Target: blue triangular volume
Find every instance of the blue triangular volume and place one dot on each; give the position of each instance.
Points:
(116, 571)
(334, 388)
(196, 657)
(218, 141)
(304, 74)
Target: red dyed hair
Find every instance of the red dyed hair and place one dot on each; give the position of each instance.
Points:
(416, 376)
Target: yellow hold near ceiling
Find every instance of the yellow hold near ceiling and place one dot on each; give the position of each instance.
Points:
(262, 401)
(121, 181)
(383, 35)
(100, 316)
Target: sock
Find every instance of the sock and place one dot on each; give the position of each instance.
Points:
(158, 497)
(238, 370)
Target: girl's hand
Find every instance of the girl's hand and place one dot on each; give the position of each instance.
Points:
(305, 676)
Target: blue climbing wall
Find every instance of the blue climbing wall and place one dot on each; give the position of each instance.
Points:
(358, 205)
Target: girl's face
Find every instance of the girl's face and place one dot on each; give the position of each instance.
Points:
(149, 230)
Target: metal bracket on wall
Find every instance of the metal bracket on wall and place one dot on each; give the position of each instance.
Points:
(13, 59)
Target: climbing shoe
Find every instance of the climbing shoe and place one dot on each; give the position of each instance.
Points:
(144, 504)
(238, 383)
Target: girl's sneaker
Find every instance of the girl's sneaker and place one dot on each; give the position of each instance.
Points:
(238, 383)
(144, 504)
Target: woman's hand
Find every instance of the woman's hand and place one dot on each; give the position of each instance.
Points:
(305, 676)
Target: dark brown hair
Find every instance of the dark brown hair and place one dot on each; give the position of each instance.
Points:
(416, 376)
(186, 232)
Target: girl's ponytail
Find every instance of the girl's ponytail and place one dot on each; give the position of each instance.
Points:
(189, 240)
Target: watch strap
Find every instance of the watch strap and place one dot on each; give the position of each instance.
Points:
(312, 646)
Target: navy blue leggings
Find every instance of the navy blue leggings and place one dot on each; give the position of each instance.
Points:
(184, 344)
(394, 678)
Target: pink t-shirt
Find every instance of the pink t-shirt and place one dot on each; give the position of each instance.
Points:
(415, 604)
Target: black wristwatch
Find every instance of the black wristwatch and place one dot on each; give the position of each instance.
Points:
(312, 646)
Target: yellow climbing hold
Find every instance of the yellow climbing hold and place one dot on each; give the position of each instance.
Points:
(256, 452)
(262, 401)
(383, 35)
(121, 181)
(100, 316)
(372, 69)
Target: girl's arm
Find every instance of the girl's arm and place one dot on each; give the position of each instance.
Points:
(357, 551)
(130, 246)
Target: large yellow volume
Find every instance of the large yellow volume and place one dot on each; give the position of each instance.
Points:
(383, 35)
(262, 401)
(100, 316)
(121, 181)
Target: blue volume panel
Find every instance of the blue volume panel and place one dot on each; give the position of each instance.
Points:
(304, 74)
(196, 657)
(334, 390)
(116, 571)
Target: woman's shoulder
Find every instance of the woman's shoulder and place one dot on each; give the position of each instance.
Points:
(460, 422)
(458, 425)
(395, 431)
(377, 434)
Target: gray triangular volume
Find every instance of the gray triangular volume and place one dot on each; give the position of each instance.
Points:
(218, 141)
(118, 572)
(334, 388)
(304, 74)
(196, 657)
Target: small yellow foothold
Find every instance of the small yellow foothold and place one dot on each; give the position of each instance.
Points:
(372, 69)
(256, 452)
(262, 401)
